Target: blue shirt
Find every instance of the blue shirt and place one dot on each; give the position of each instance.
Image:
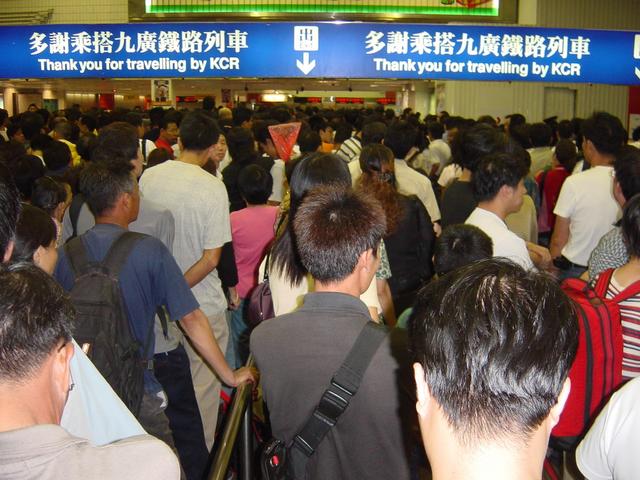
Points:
(149, 278)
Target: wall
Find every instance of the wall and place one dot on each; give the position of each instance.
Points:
(472, 99)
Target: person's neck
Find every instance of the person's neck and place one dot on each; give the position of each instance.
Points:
(629, 272)
(251, 205)
(192, 158)
(348, 286)
(25, 406)
(600, 160)
(119, 220)
(465, 176)
(480, 463)
(495, 207)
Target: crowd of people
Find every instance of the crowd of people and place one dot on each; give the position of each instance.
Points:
(132, 243)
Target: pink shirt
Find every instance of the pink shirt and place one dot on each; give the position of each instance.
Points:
(251, 233)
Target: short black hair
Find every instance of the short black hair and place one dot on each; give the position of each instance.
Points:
(400, 138)
(260, 129)
(471, 144)
(117, 141)
(627, 170)
(373, 132)
(255, 184)
(35, 228)
(540, 134)
(241, 145)
(565, 129)
(317, 123)
(41, 142)
(157, 156)
(26, 170)
(57, 156)
(343, 132)
(240, 115)
(605, 132)
(198, 131)
(435, 129)
(9, 209)
(31, 124)
(102, 183)
(333, 227)
(460, 245)
(133, 118)
(496, 171)
(171, 116)
(309, 141)
(208, 103)
(516, 119)
(89, 121)
(64, 130)
(35, 316)
(496, 343)
(47, 194)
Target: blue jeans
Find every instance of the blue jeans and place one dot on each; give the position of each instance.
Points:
(572, 272)
(238, 346)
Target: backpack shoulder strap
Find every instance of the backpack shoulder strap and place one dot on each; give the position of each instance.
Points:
(602, 284)
(120, 250)
(74, 212)
(336, 398)
(631, 291)
(77, 255)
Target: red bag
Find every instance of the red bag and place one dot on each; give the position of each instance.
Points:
(597, 369)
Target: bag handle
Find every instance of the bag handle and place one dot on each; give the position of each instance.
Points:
(120, 251)
(77, 255)
(335, 400)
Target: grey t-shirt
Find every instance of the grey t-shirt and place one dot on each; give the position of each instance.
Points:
(48, 452)
(298, 353)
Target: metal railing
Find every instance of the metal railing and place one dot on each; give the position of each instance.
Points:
(238, 422)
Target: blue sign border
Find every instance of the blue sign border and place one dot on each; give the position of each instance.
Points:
(322, 50)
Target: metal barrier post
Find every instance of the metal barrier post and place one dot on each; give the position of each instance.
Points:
(246, 444)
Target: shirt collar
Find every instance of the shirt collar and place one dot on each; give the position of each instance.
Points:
(333, 301)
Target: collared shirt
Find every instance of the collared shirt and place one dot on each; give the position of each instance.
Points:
(163, 144)
(411, 182)
(505, 243)
(48, 452)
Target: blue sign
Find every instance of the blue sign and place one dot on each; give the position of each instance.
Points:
(321, 50)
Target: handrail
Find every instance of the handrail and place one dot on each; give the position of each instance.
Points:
(239, 416)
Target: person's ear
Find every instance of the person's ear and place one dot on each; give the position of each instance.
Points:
(61, 373)
(423, 394)
(556, 410)
(9, 251)
(37, 255)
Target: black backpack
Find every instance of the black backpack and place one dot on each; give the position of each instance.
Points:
(102, 328)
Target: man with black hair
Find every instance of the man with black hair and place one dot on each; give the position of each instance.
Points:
(242, 117)
(63, 132)
(460, 245)
(309, 141)
(149, 279)
(31, 124)
(468, 148)
(168, 135)
(493, 345)
(611, 251)
(57, 158)
(320, 124)
(200, 207)
(498, 185)
(586, 207)
(338, 233)
(401, 138)
(36, 319)
(540, 151)
(262, 135)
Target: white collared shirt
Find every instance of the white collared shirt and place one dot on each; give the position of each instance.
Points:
(505, 243)
(410, 182)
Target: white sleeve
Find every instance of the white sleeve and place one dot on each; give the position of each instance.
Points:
(217, 225)
(565, 205)
(428, 198)
(277, 173)
(591, 455)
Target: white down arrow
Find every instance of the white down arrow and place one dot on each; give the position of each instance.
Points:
(637, 72)
(305, 65)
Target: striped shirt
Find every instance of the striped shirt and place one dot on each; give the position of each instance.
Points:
(630, 319)
(350, 149)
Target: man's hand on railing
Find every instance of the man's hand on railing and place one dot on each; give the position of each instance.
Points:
(245, 374)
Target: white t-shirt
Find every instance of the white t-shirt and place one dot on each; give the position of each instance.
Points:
(449, 174)
(586, 200)
(355, 170)
(411, 182)
(277, 173)
(200, 208)
(610, 450)
(441, 151)
(505, 243)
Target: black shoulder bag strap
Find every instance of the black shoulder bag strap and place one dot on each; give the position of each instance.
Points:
(335, 400)
(77, 255)
(115, 259)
